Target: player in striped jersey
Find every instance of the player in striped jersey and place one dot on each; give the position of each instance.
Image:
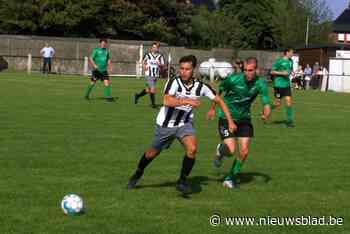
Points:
(174, 120)
(153, 62)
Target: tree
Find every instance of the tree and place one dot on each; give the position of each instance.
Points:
(256, 24)
(18, 16)
(290, 22)
(255, 17)
(215, 29)
(320, 17)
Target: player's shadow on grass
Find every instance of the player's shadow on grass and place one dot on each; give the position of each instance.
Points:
(158, 106)
(248, 177)
(279, 122)
(104, 99)
(196, 184)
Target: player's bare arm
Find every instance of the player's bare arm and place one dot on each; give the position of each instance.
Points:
(266, 112)
(231, 125)
(172, 101)
(145, 66)
(92, 63)
(279, 73)
(109, 66)
(211, 111)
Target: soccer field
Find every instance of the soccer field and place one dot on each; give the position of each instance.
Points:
(53, 142)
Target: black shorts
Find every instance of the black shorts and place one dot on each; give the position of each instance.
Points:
(244, 129)
(282, 92)
(47, 60)
(97, 75)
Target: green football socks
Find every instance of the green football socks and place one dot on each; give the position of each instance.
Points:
(107, 91)
(289, 111)
(235, 169)
(89, 89)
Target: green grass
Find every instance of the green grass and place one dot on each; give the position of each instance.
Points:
(53, 142)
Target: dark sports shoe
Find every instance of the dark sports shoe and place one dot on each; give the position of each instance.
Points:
(87, 98)
(154, 106)
(218, 157)
(109, 99)
(136, 98)
(290, 124)
(183, 186)
(134, 179)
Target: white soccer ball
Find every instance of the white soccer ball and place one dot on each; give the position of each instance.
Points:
(72, 204)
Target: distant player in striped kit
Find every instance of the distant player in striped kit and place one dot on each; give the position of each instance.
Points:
(153, 62)
(174, 120)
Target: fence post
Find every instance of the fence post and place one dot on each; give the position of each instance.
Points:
(324, 81)
(86, 66)
(29, 64)
(139, 63)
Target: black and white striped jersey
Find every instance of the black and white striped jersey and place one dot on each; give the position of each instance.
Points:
(178, 116)
(153, 61)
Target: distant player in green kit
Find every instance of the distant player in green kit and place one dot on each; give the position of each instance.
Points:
(281, 70)
(101, 63)
(239, 92)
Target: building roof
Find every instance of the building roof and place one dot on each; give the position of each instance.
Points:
(342, 23)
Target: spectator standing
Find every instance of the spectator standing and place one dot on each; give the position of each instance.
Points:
(324, 79)
(298, 77)
(47, 52)
(314, 78)
(307, 77)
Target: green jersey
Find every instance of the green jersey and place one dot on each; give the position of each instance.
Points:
(282, 64)
(100, 56)
(239, 94)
